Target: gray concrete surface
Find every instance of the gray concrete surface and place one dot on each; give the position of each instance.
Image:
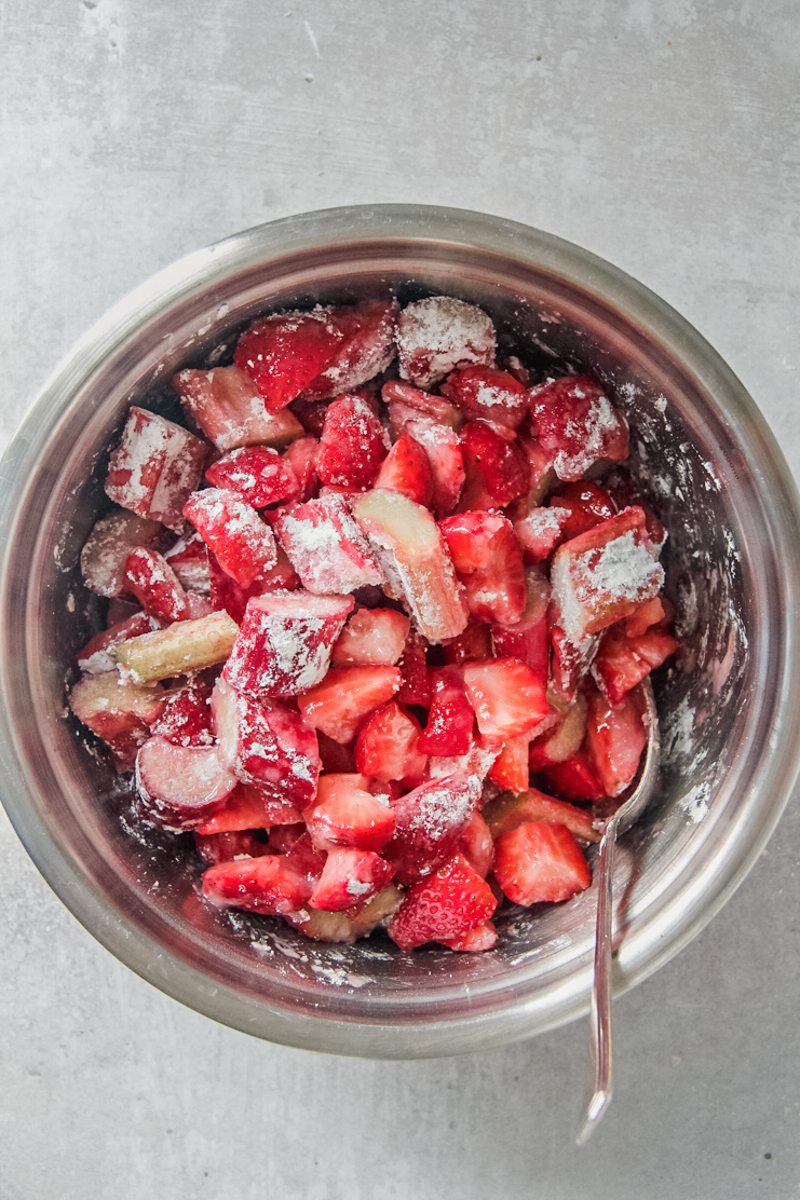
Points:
(663, 135)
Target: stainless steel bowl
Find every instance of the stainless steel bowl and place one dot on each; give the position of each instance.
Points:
(703, 454)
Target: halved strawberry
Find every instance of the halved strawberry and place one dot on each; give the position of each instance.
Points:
(352, 445)
(301, 456)
(450, 719)
(216, 848)
(489, 393)
(227, 406)
(575, 421)
(406, 470)
(243, 544)
(482, 937)
(256, 473)
(624, 661)
(442, 448)
(346, 695)
(185, 719)
(349, 875)
(496, 467)
(473, 645)
(268, 885)
(429, 823)
(507, 812)
(576, 778)
(250, 806)
(373, 637)
(488, 560)
(448, 905)
(285, 641)
(107, 547)
(541, 531)
(405, 403)
(180, 787)
(615, 740)
(120, 714)
(563, 741)
(326, 546)
(586, 504)
(96, 659)
(150, 578)
(508, 698)
(510, 769)
(155, 467)
(350, 816)
(439, 334)
(477, 845)
(188, 558)
(526, 639)
(366, 349)
(285, 352)
(415, 686)
(539, 863)
(387, 746)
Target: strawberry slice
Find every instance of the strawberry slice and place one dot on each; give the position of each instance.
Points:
(406, 469)
(541, 531)
(349, 875)
(442, 447)
(350, 816)
(250, 806)
(243, 544)
(349, 924)
(564, 740)
(269, 885)
(120, 714)
(623, 661)
(447, 906)
(615, 740)
(541, 476)
(216, 848)
(256, 473)
(285, 641)
(180, 787)
(406, 403)
(429, 823)
(576, 778)
(227, 406)
(496, 467)
(225, 594)
(510, 769)
(473, 645)
(188, 558)
(155, 467)
(477, 845)
(301, 456)
(366, 350)
(185, 719)
(508, 698)
(266, 743)
(387, 746)
(95, 657)
(107, 547)
(285, 352)
(507, 812)
(538, 863)
(450, 719)
(150, 578)
(346, 695)
(326, 547)
(373, 637)
(527, 638)
(488, 561)
(586, 503)
(577, 424)
(482, 937)
(439, 334)
(415, 687)
(353, 444)
(486, 392)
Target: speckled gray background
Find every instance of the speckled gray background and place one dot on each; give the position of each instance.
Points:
(662, 135)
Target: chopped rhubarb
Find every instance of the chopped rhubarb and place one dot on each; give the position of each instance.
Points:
(185, 719)
(243, 544)
(372, 637)
(367, 348)
(563, 741)
(405, 403)
(349, 924)
(326, 547)
(180, 649)
(507, 812)
(107, 547)
(150, 578)
(229, 409)
(439, 334)
(95, 658)
(180, 787)
(155, 468)
(119, 713)
(442, 448)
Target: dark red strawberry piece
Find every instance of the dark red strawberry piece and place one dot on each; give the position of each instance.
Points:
(228, 595)
(346, 696)
(366, 350)
(350, 816)
(623, 661)
(349, 876)
(448, 905)
(227, 406)
(107, 547)
(507, 812)
(586, 503)
(496, 467)
(450, 719)
(576, 779)
(150, 578)
(488, 561)
(387, 746)
(243, 544)
(415, 686)
(216, 848)
(185, 719)
(301, 456)
(508, 698)
(527, 638)
(577, 424)
(256, 473)
(336, 758)
(352, 445)
(326, 546)
(473, 645)
(155, 467)
(284, 353)
(439, 334)
(180, 787)
(406, 470)
(538, 863)
(305, 857)
(486, 392)
(429, 823)
(250, 806)
(373, 637)
(268, 885)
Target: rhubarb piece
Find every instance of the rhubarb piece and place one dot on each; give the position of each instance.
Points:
(486, 392)
(439, 334)
(107, 547)
(451, 718)
(326, 547)
(387, 746)
(185, 719)
(488, 561)
(449, 905)
(350, 816)
(406, 403)
(578, 425)
(251, 806)
(429, 822)
(352, 445)
(96, 659)
(155, 585)
(349, 924)
(179, 649)
(507, 812)
(349, 875)
(442, 447)
(508, 698)
(338, 705)
(366, 349)
(155, 467)
(373, 637)
(268, 885)
(120, 714)
(256, 473)
(564, 740)
(536, 863)
(285, 352)
(406, 469)
(228, 408)
(243, 544)
(496, 467)
(180, 787)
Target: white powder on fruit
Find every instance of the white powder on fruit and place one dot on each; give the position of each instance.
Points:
(436, 335)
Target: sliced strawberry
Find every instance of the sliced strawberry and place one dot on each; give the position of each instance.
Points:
(496, 467)
(366, 349)
(373, 637)
(563, 741)
(326, 547)
(510, 769)
(448, 905)
(477, 845)
(256, 473)
(285, 352)
(489, 393)
(285, 642)
(442, 447)
(406, 403)
(576, 779)
(615, 740)
(407, 534)
(576, 422)
(623, 661)
(185, 719)
(387, 746)
(301, 456)
(538, 863)
(415, 687)
(150, 578)
(450, 719)
(216, 848)
(228, 595)
(268, 885)
(586, 503)
(331, 784)
(227, 406)
(482, 937)
(180, 787)
(349, 875)
(429, 823)
(508, 812)
(95, 657)
(508, 698)
(243, 544)
(120, 714)
(350, 816)
(107, 547)
(526, 639)
(188, 558)
(406, 470)
(346, 695)
(352, 445)
(541, 476)
(488, 561)
(250, 806)
(155, 467)
(650, 613)
(266, 743)
(351, 923)
(541, 531)
(439, 334)
(473, 645)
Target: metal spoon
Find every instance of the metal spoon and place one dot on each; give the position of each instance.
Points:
(628, 812)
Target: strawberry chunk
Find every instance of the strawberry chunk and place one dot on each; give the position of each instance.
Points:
(406, 469)
(615, 740)
(576, 778)
(251, 806)
(285, 352)
(304, 856)
(366, 349)
(216, 848)
(508, 698)
(285, 641)
(652, 612)
(473, 645)
(269, 885)
(155, 468)
(510, 769)
(415, 687)
(180, 787)
(350, 816)
(495, 465)
(482, 937)
(227, 594)
(442, 448)
(346, 695)
(439, 334)
(406, 403)
(266, 743)
(185, 719)
(353, 444)
(429, 822)
(527, 639)
(387, 746)
(537, 863)
(447, 906)
(507, 812)
(373, 637)
(155, 585)
(326, 547)
(541, 531)
(586, 503)
(227, 406)
(577, 424)
(622, 661)
(488, 393)
(541, 476)
(477, 845)
(450, 719)
(188, 558)
(570, 660)
(349, 876)
(243, 544)
(488, 561)
(107, 547)
(95, 658)
(120, 714)
(474, 765)
(256, 473)
(301, 456)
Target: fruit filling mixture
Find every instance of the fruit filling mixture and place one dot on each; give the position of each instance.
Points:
(377, 616)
